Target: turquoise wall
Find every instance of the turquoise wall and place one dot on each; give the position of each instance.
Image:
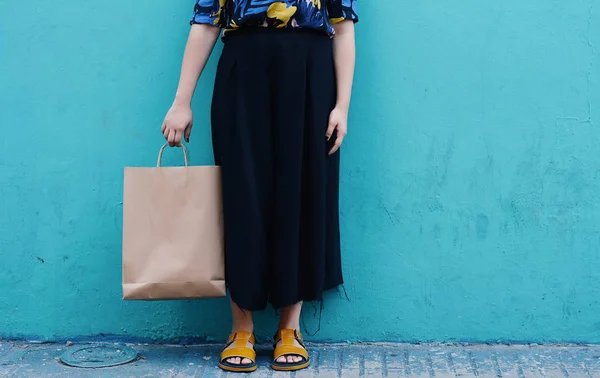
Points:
(470, 203)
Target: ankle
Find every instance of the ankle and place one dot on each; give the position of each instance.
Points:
(246, 325)
(242, 328)
(289, 325)
(290, 317)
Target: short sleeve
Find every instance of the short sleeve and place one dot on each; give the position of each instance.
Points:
(209, 12)
(340, 10)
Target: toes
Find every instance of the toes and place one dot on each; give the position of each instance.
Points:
(239, 361)
(290, 359)
(293, 359)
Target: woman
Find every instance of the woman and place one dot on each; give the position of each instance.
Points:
(279, 116)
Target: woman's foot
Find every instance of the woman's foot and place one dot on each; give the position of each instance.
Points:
(290, 353)
(242, 322)
(239, 360)
(289, 358)
(240, 348)
(290, 320)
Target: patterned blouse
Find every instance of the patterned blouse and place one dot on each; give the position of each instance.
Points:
(315, 14)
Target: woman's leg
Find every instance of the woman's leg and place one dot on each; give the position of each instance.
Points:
(240, 117)
(242, 321)
(242, 144)
(290, 319)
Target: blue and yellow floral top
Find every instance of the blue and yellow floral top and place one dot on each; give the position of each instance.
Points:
(314, 14)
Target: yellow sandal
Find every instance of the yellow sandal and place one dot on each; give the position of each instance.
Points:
(240, 349)
(288, 348)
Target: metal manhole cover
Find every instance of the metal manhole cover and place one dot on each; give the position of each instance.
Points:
(99, 356)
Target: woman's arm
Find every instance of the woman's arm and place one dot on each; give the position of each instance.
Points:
(344, 54)
(200, 44)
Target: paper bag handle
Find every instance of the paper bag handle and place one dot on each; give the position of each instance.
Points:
(162, 149)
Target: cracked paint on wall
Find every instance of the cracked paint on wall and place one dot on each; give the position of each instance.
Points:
(469, 202)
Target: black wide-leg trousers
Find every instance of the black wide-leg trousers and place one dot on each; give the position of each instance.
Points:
(274, 91)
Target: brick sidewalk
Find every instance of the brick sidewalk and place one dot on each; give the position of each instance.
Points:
(340, 361)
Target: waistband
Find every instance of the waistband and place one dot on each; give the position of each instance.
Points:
(266, 30)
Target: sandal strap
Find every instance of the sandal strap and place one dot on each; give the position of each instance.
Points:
(287, 350)
(242, 336)
(286, 337)
(240, 348)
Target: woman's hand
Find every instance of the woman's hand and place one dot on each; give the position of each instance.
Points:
(338, 121)
(177, 123)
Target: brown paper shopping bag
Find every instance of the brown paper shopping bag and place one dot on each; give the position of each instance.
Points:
(172, 232)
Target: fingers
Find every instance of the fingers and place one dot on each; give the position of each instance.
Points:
(330, 129)
(188, 132)
(338, 143)
(174, 136)
(171, 138)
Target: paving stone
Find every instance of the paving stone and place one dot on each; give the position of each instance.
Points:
(327, 361)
